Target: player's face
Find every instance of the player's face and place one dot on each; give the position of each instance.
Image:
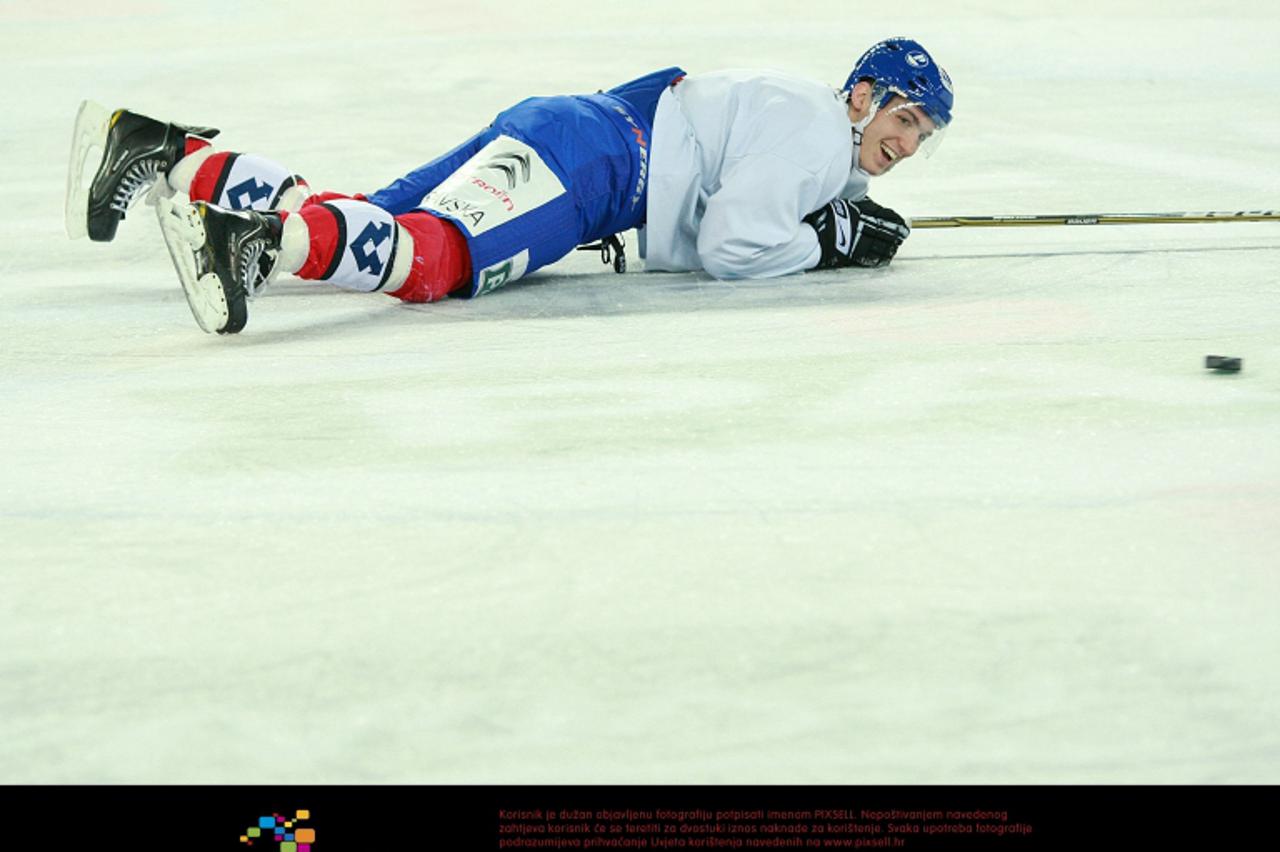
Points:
(893, 135)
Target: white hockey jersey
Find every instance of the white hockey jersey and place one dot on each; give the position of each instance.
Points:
(738, 158)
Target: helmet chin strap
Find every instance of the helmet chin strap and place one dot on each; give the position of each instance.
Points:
(879, 97)
(861, 125)
(858, 127)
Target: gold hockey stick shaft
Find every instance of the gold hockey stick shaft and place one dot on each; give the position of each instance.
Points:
(1094, 219)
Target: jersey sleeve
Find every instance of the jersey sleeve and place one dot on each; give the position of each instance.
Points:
(752, 225)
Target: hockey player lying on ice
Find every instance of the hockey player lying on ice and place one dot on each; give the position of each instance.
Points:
(741, 174)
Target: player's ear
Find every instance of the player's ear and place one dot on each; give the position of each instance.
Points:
(860, 97)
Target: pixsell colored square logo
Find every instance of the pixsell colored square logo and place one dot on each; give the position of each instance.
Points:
(281, 833)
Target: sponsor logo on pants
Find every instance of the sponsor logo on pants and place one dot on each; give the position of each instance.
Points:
(504, 180)
(493, 277)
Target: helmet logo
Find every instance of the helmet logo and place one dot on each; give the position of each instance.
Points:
(917, 59)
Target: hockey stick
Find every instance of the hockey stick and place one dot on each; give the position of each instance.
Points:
(1094, 219)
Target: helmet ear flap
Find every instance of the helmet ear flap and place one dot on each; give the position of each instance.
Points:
(881, 95)
(877, 98)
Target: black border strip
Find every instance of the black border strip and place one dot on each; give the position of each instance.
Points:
(284, 187)
(193, 819)
(341, 249)
(391, 258)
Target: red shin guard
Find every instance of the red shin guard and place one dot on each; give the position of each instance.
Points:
(195, 143)
(205, 183)
(441, 262)
(322, 228)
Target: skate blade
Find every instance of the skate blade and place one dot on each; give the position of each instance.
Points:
(93, 121)
(184, 235)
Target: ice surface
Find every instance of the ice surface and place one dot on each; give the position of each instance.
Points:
(979, 517)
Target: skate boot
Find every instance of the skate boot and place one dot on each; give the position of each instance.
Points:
(131, 151)
(223, 257)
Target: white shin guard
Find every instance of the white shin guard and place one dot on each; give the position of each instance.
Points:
(374, 253)
(239, 181)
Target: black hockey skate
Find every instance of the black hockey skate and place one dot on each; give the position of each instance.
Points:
(132, 152)
(223, 257)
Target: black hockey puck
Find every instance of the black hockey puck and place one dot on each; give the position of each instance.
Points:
(1223, 363)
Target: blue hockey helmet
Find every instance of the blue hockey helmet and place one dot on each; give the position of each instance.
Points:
(901, 66)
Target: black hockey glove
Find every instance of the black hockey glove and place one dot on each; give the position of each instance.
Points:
(857, 233)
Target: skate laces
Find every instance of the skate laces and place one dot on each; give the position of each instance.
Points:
(252, 278)
(138, 177)
(256, 266)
